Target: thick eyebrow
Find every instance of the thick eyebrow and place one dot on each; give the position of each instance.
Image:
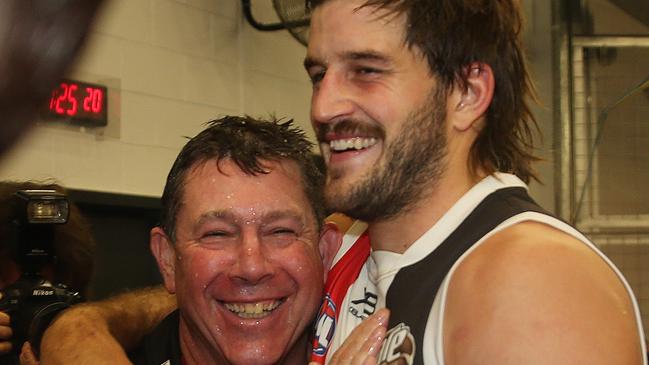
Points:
(283, 214)
(215, 214)
(368, 55)
(264, 217)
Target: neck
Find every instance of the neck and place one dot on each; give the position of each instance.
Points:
(300, 351)
(400, 232)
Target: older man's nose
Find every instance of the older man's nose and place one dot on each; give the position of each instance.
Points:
(252, 264)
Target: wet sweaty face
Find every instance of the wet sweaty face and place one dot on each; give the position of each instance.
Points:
(248, 272)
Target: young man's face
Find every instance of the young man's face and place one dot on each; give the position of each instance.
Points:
(374, 108)
(246, 267)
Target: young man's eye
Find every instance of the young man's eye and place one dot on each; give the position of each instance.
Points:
(367, 70)
(316, 77)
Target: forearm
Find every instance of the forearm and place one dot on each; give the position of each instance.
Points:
(98, 332)
(132, 315)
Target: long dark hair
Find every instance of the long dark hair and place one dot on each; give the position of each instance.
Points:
(453, 34)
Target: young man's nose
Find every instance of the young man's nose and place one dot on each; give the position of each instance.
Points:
(331, 99)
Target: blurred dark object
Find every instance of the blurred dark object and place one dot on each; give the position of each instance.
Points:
(39, 39)
(33, 301)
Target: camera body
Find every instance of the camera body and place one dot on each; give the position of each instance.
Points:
(33, 301)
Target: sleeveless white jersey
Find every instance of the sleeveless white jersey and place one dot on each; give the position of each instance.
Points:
(369, 291)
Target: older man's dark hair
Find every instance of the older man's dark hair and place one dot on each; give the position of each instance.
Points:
(249, 143)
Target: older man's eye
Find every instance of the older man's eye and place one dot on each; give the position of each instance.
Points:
(217, 236)
(280, 236)
(283, 231)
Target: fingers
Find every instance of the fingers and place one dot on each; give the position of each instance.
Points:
(5, 347)
(5, 333)
(370, 360)
(4, 319)
(369, 351)
(363, 345)
(27, 356)
(5, 328)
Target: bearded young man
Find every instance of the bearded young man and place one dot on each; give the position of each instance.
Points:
(421, 110)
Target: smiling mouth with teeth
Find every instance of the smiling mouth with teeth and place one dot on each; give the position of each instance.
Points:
(253, 310)
(356, 143)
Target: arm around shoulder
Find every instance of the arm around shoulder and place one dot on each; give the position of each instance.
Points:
(97, 332)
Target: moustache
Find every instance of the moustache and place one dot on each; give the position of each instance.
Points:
(349, 127)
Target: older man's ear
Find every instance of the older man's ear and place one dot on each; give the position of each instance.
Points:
(165, 254)
(331, 238)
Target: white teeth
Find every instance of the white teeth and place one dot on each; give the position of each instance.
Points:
(356, 143)
(252, 310)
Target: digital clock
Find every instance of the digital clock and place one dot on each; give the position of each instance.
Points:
(79, 103)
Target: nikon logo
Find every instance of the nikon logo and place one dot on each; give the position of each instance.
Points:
(42, 292)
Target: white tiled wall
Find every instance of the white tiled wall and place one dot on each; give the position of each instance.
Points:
(173, 65)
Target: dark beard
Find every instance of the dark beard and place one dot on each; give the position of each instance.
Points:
(415, 161)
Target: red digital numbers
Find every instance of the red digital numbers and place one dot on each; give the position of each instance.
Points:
(63, 100)
(93, 101)
(79, 101)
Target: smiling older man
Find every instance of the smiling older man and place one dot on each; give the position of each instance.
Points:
(240, 246)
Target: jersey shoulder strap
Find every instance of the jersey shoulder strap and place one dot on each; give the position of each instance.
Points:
(414, 288)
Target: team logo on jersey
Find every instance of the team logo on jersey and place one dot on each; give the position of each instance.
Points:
(325, 326)
(398, 347)
(365, 307)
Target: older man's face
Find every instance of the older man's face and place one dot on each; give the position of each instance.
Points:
(246, 267)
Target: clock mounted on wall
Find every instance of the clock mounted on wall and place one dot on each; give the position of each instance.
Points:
(79, 103)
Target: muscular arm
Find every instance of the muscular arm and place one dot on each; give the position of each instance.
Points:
(534, 295)
(96, 333)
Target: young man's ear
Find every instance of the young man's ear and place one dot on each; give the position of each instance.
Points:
(469, 104)
(165, 254)
(331, 238)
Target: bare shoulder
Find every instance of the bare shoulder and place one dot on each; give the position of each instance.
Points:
(534, 294)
